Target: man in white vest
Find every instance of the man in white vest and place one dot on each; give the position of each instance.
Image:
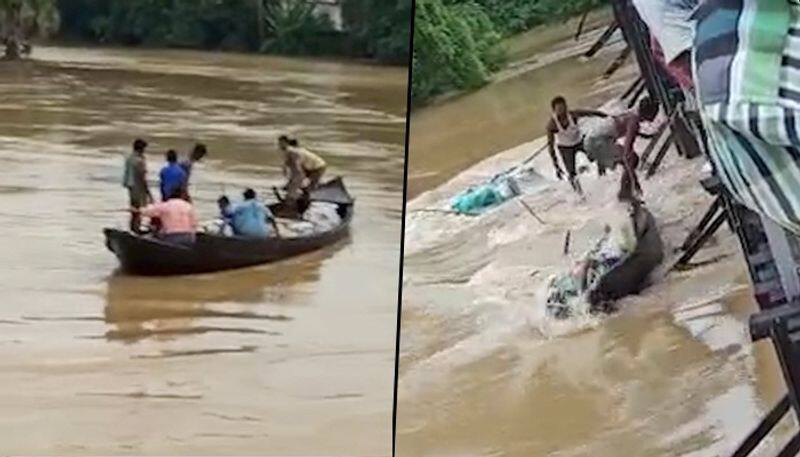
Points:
(564, 132)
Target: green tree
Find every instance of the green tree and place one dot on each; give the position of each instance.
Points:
(456, 41)
(226, 24)
(380, 28)
(373, 28)
(514, 16)
(21, 20)
(294, 27)
(455, 47)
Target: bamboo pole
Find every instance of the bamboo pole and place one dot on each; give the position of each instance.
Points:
(260, 19)
(602, 40)
(580, 25)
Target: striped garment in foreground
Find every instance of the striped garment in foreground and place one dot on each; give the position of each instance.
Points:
(747, 72)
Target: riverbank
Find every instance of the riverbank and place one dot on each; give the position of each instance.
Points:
(523, 52)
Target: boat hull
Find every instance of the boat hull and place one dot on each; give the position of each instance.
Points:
(630, 275)
(145, 255)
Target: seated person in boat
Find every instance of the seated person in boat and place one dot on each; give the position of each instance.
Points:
(248, 218)
(303, 169)
(224, 204)
(177, 218)
(172, 176)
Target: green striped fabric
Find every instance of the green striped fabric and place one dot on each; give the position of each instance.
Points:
(753, 129)
(755, 73)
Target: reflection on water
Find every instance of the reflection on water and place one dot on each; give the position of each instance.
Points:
(143, 307)
(292, 357)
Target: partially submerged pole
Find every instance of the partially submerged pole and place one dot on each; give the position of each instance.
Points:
(632, 88)
(531, 211)
(580, 25)
(618, 62)
(602, 40)
(636, 95)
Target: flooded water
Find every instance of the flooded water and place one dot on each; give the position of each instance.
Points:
(294, 358)
(484, 371)
(447, 138)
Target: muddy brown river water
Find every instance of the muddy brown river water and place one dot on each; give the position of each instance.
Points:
(291, 358)
(485, 372)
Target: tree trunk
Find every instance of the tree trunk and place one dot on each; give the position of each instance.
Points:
(12, 49)
(260, 19)
(12, 39)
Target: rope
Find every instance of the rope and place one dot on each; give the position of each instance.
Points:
(521, 164)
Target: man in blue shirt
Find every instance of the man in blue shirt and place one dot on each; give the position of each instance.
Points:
(172, 176)
(248, 218)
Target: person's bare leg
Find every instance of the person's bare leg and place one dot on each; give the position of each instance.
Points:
(314, 178)
(135, 223)
(629, 187)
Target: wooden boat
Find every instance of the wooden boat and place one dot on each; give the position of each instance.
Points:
(146, 255)
(630, 274)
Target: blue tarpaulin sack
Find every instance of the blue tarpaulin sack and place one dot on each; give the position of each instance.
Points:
(479, 198)
(476, 199)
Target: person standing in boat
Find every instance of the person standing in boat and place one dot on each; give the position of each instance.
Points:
(135, 180)
(248, 218)
(303, 169)
(172, 176)
(187, 164)
(564, 132)
(177, 217)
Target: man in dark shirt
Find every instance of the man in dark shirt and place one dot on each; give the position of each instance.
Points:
(135, 180)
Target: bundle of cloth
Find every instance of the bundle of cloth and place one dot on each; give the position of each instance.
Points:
(477, 199)
(617, 265)
(319, 217)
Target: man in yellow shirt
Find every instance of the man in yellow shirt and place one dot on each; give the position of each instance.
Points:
(302, 168)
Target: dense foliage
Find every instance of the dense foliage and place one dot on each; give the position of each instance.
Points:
(372, 28)
(380, 28)
(454, 47)
(513, 16)
(181, 23)
(455, 41)
(21, 20)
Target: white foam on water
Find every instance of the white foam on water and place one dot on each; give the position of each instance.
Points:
(505, 297)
